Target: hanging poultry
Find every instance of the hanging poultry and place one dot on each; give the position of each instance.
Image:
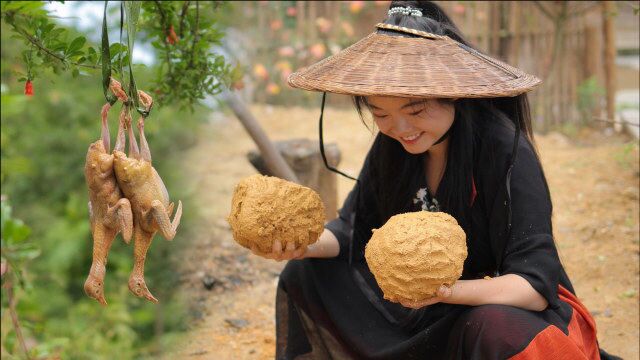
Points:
(149, 199)
(109, 211)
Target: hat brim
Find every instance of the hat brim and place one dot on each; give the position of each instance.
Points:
(434, 67)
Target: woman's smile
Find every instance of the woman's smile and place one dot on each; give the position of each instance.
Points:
(411, 139)
(417, 124)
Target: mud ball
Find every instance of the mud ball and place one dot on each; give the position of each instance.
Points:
(413, 254)
(265, 209)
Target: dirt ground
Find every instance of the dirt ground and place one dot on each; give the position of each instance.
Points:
(594, 186)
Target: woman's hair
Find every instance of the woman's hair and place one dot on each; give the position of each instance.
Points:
(397, 174)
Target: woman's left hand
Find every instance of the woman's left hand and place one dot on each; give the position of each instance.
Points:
(444, 294)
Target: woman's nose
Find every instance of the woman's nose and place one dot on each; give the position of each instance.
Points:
(402, 125)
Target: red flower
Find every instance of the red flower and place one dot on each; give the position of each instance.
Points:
(172, 38)
(28, 88)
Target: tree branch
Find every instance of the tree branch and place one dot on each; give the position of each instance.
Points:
(163, 24)
(182, 14)
(195, 35)
(163, 20)
(33, 40)
(14, 316)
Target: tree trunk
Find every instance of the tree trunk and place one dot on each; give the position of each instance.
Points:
(608, 12)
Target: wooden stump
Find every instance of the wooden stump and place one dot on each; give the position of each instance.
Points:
(303, 157)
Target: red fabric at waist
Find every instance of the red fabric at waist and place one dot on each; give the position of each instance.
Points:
(552, 343)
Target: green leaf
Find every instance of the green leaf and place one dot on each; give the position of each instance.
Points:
(115, 49)
(59, 47)
(46, 29)
(75, 72)
(132, 10)
(106, 57)
(76, 44)
(55, 33)
(31, 7)
(28, 252)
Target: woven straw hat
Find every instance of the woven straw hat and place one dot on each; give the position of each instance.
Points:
(426, 66)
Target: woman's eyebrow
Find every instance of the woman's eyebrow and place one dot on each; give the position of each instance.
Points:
(407, 105)
(412, 104)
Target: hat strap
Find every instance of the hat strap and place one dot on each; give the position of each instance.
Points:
(443, 137)
(324, 157)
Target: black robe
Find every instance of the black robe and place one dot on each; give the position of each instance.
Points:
(333, 308)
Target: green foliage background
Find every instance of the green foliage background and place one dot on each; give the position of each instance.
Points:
(44, 140)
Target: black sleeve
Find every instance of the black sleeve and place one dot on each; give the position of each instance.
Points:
(341, 226)
(359, 209)
(529, 249)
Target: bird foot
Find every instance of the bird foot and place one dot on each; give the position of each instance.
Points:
(94, 288)
(139, 288)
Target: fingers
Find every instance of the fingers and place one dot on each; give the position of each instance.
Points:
(300, 252)
(277, 250)
(291, 247)
(444, 291)
(291, 252)
(288, 253)
(278, 253)
(277, 247)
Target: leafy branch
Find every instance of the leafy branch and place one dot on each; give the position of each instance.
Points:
(15, 250)
(187, 68)
(33, 40)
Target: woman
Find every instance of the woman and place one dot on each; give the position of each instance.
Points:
(455, 136)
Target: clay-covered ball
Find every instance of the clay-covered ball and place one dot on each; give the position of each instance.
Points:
(413, 254)
(265, 209)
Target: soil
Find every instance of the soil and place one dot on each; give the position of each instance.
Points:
(267, 208)
(413, 254)
(594, 186)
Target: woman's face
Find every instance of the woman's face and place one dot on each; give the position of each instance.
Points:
(416, 123)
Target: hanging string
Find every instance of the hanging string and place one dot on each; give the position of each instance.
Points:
(512, 162)
(106, 60)
(132, 9)
(324, 157)
(121, 45)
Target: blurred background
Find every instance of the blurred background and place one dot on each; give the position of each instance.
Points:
(216, 300)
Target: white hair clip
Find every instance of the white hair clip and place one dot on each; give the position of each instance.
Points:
(404, 11)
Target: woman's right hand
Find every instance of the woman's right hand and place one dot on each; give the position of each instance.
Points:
(279, 254)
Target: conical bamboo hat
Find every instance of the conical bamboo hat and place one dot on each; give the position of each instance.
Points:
(426, 66)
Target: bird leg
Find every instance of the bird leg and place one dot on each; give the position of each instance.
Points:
(102, 240)
(137, 284)
(166, 227)
(133, 144)
(147, 102)
(106, 138)
(122, 124)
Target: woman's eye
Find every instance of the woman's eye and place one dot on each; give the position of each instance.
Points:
(416, 113)
(380, 116)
